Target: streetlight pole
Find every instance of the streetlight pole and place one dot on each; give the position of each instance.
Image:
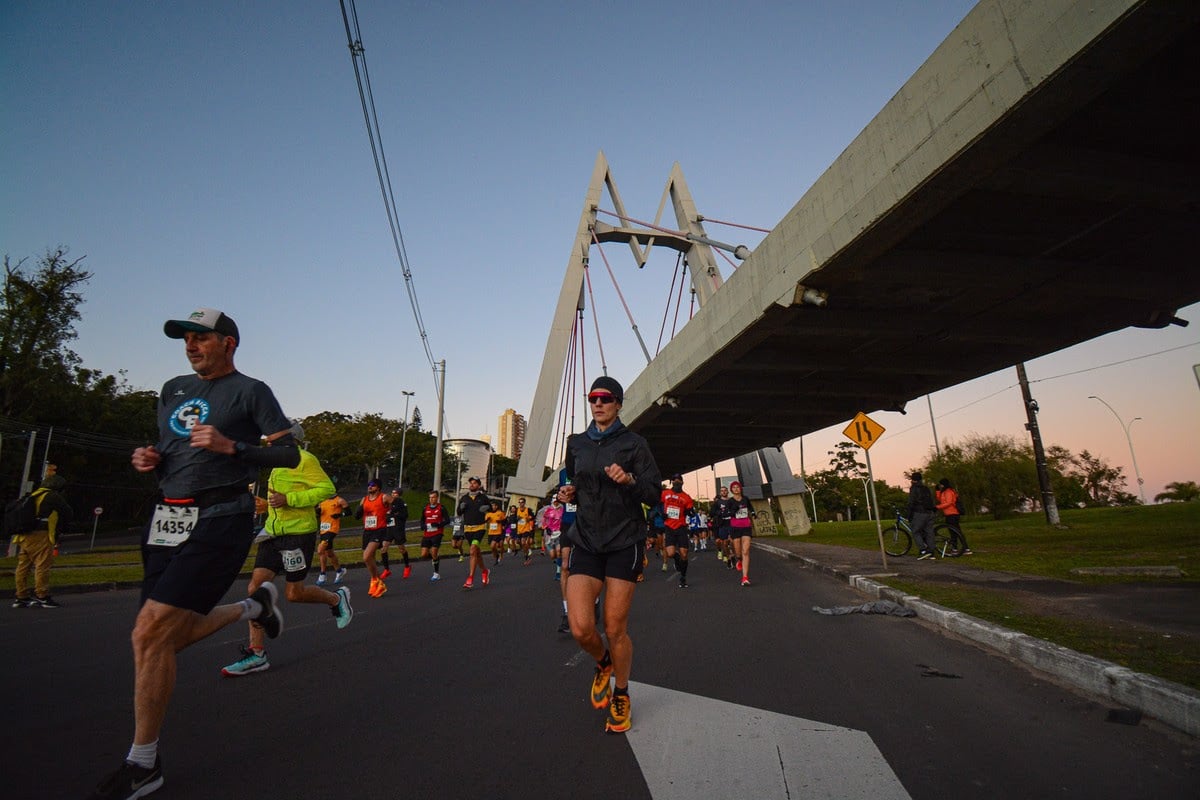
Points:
(404, 436)
(1129, 440)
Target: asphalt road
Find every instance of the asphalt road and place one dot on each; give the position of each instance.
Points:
(434, 691)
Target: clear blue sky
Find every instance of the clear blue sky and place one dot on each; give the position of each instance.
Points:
(215, 154)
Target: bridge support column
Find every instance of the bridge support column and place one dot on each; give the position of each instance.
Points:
(787, 490)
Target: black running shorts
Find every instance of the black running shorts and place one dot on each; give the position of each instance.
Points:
(327, 539)
(376, 536)
(196, 574)
(679, 538)
(431, 542)
(291, 555)
(622, 565)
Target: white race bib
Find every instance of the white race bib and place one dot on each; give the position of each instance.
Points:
(172, 525)
(325, 526)
(494, 526)
(673, 513)
(431, 528)
(742, 514)
(293, 560)
(370, 522)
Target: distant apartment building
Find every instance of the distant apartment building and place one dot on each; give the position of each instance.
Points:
(512, 434)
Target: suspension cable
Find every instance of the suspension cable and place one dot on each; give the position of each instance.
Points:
(587, 276)
(366, 96)
(621, 297)
(679, 297)
(582, 365)
(560, 430)
(700, 218)
(667, 308)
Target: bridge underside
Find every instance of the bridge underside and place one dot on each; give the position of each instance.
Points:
(1074, 214)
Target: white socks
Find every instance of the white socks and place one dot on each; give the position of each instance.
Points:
(143, 755)
(250, 609)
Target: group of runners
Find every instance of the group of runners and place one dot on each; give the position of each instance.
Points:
(218, 429)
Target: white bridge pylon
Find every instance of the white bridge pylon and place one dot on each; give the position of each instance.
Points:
(688, 238)
(702, 266)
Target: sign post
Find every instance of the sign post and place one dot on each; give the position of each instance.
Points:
(96, 512)
(864, 432)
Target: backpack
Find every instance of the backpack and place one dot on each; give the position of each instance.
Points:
(959, 505)
(20, 515)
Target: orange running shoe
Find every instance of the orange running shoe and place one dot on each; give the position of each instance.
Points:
(618, 714)
(602, 686)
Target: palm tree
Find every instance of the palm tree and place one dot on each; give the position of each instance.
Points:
(1179, 492)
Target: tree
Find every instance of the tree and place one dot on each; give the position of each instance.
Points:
(1102, 482)
(1179, 492)
(415, 425)
(38, 312)
(840, 489)
(356, 448)
(993, 472)
(1067, 486)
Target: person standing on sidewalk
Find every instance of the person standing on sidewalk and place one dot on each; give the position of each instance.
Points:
(210, 426)
(614, 474)
(950, 505)
(37, 546)
(291, 529)
(920, 515)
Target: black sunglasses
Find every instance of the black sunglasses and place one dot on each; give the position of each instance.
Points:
(602, 399)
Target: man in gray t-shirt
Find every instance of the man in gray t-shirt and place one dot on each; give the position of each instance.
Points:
(217, 428)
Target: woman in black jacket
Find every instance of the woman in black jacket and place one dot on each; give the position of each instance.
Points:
(613, 474)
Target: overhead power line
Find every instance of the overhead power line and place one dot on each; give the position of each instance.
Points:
(362, 77)
(1042, 380)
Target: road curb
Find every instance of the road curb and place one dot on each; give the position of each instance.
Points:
(1169, 702)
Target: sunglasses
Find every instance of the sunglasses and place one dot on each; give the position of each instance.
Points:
(602, 399)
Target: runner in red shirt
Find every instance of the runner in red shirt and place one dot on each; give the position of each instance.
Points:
(676, 504)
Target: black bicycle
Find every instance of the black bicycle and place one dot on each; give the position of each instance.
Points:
(897, 540)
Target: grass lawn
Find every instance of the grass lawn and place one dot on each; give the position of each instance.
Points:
(1162, 535)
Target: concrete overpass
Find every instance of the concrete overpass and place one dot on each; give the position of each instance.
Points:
(1035, 184)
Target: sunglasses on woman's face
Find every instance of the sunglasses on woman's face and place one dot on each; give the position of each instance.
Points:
(602, 399)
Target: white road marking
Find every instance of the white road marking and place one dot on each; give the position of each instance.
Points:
(691, 747)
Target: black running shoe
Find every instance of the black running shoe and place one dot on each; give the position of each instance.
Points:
(563, 626)
(270, 619)
(129, 782)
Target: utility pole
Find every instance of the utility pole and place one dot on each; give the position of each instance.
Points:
(26, 486)
(1039, 453)
(437, 453)
(937, 447)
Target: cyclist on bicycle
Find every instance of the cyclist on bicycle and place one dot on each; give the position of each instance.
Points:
(920, 515)
(950, 506)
